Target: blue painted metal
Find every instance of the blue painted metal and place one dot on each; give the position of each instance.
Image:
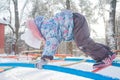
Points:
(63, 69)
(115, 62)
(67, 70)
(78, 72)
(18, 64)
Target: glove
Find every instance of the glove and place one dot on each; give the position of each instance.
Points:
(40, 63)
(44, 60)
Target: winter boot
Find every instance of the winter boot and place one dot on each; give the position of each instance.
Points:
(106, 61)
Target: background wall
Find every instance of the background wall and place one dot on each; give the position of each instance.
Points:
(1, 38)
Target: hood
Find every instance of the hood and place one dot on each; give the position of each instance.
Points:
(31, 40)
(31, 25)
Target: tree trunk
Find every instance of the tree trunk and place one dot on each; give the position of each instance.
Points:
(16, 24)
(22, 11)
(110, 29)
(67, 4)
(69, 45)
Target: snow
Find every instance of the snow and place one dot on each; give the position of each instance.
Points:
(111, 71)
(25, 73)
(21, 73)
(3, 21)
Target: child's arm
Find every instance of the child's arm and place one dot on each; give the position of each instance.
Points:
(50, 46)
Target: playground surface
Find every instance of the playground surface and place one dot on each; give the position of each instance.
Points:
(69, 68)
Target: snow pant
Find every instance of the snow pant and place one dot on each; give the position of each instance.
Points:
(82, 38)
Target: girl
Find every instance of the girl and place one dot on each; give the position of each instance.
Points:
(67, 26)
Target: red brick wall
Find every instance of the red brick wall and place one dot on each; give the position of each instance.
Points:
(1, 38)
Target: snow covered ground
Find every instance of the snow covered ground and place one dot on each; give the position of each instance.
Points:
(21, 73)
(60, 70)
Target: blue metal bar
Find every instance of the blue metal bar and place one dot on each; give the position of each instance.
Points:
(78, 72)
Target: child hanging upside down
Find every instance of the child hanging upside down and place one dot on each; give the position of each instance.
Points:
(66, 26)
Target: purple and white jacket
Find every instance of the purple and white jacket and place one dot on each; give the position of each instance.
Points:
(58, 28)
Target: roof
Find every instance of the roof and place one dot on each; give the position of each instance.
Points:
(3, 21)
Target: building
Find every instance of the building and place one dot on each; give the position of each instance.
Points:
(2, 31)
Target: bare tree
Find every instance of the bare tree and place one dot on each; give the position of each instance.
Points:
(69, 45)
(22, 11)
(17, 25)
(3, 5)
(110, 30)
(67, 4)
